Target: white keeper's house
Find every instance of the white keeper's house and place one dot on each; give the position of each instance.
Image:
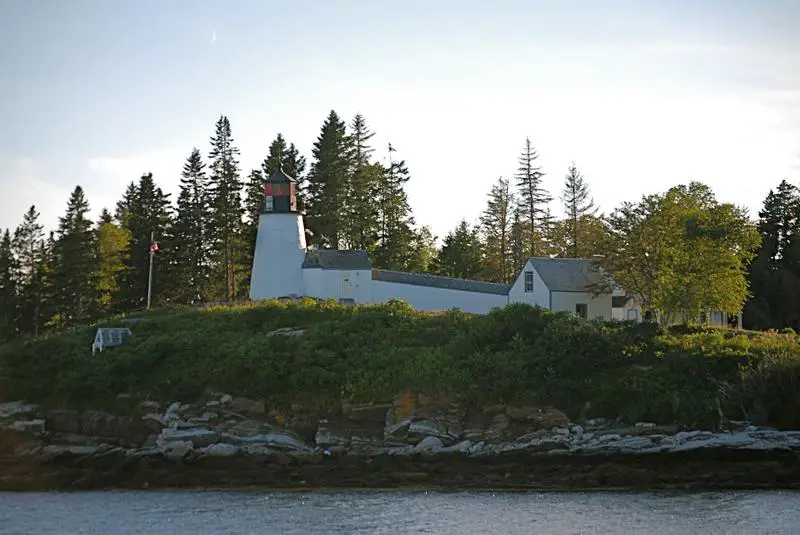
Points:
(284, 267)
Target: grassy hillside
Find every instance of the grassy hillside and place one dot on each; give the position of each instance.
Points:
(519, 354)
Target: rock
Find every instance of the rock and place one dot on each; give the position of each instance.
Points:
(249, 428)
(367, 412)
(199, 437)
(248, 406)
(63, 421)
(16, 409)
(287, 331)
(221, 450)
(225, 399)
(175, 451)
(418, 430)
(644, 425)
(430, 444)
(150, 406)
(538, 417)
(28, 426)
(282, 440)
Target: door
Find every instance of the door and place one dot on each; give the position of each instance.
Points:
(346, 286)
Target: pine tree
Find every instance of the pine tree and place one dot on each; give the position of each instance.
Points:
(28, 247)
(75, 275)
(226, 203)
(578, 205)
(8, 289)
(327, 183)
(191, 245)
(773, 278)
(124, 205)
(461, 255)
(400, 246)
(533, 199)
(518, 245)
(365, 179)
(148, 215)
(496, 223)
(294, 165)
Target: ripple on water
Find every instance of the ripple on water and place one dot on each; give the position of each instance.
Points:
(220, 513)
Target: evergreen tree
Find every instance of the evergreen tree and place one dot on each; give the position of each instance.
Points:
(193, 221)
(8, 289)
(533, 199)
(400, 246)
(226, 203)
(75, 275)
(28, 246)
(365, 179)
(112, 257)
(124, 205)
(148, 215)
(496, 223)
(294, 165)
(578, 206)
(327, 184)
(518, 245)
(461, 255)
(773, 275)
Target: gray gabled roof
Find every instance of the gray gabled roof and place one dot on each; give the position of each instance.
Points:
(568, 274)
(279, 176)
(112, 336)
(435, 281)
(334, 259)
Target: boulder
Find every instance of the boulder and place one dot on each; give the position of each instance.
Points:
(248, 406)
(16, 410)
(32, 427)
(199, 437)
(221, 450)
(537, 417)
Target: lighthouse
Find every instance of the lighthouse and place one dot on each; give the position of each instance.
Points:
(280, 242)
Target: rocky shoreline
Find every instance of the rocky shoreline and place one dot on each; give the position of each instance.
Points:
(412, 441)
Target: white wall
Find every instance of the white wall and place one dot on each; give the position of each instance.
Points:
(278, 259)
(540, 295)
(327, 284)
(598, 307)
(431, 299)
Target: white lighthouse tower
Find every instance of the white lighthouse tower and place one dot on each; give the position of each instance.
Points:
(280, 242)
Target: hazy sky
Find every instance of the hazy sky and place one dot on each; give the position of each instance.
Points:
(97, 92)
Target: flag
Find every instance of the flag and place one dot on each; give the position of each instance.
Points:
(153, 247)
(391, 149)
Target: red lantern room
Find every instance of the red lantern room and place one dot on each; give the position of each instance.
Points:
(280, 193)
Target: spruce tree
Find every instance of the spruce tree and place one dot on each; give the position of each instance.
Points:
(533, 199)
(28, 247)
(226, 203)
(578, 206)
(148, 214)
(398, 239)
(326, 186)
(294, 165)
(461, 255)
(8, 289)
(75, 275)
(191, 245)
(365, 180)
(496, 222)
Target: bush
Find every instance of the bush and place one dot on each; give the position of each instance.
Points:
(518, 354)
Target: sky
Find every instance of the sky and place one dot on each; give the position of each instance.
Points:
(641, 95)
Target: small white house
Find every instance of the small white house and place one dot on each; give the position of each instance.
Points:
(628, 308)
(109, 337)
(573, 285)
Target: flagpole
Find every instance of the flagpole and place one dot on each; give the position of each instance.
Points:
(150, 274)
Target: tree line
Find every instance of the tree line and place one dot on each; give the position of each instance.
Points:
(680, 251)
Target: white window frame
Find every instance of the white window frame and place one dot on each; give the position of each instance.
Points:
(269, 203)
(528, 288)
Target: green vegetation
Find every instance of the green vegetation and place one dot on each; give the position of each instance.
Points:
(518, 354)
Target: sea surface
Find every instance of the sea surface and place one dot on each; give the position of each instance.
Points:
(189, 512)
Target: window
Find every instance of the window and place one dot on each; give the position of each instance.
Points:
(582, 310)
(268, 205)
(633, 314)
(528, 281)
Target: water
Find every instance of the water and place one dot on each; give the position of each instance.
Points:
(184, 513)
